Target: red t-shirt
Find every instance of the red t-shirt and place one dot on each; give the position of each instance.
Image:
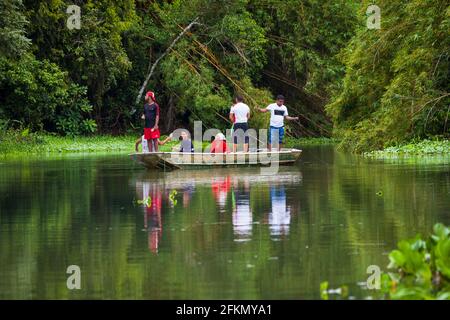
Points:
(219, 146)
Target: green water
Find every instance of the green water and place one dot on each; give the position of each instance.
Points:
(229, 234)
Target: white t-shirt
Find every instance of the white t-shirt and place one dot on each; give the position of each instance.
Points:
(277, 114)
(240, 111)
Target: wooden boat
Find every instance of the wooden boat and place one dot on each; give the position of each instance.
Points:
(195, 160)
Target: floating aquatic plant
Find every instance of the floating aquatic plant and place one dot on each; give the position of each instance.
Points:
(147, 202)
(172, 195)
(418, 269)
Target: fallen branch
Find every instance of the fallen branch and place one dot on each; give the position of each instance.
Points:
(144, 85)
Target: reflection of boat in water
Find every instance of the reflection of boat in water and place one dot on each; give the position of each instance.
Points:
(195, 160)
(231, 190)
(180, 178)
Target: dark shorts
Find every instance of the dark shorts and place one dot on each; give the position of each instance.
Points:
(240, 132)
(273, 132)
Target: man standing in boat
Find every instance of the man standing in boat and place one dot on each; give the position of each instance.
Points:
(151, 117)
(239, 115)
(278, 112)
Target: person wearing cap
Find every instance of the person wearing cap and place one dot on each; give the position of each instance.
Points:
(219, 145)
(239, 116)
(151, 117)
(278, 112)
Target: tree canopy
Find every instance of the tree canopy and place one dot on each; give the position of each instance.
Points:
(370, 88)
(396, 85)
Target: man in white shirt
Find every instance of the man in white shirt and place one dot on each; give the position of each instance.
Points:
(239, 115)
(278, 112)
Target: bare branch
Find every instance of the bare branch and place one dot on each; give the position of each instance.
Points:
(240, 52)
(152, 69)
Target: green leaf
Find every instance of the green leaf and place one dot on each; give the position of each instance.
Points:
(440, 232)
(396, 259)
(324, 290)
(442, 254)
(25, 132)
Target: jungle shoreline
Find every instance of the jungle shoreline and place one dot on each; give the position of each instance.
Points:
(24, 143)
(15, 143)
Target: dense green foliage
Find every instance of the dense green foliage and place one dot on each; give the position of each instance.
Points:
(234, 49)
(396, 86)
(421, 267)
(381, 87)
(304, 38)
(94, 56)
(12, 29)
(38, 95)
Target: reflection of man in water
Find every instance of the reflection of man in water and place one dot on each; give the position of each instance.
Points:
(280, 216)
(152, 216)
(242, 214)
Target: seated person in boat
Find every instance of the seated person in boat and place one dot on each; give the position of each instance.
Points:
(184, 146)
(219, 145)
(186, 143)
(278, 112)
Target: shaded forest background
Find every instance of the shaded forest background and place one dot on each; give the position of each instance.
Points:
(369, 88)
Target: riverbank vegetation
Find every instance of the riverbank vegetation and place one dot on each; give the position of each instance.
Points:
(25, 143)
(290, 142)
(369, 88)
(424, 147)
(14, 142)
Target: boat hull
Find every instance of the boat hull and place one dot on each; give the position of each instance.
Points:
(178, 160)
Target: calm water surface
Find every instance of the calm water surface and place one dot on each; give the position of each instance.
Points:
(214, 234)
